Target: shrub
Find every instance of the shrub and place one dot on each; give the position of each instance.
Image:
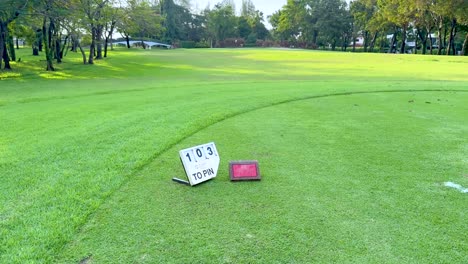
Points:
(187, 44)
(232, 43)
(252, 38)
(265, 43)
(202, 44)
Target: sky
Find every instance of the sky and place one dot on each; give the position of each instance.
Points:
(268, 7)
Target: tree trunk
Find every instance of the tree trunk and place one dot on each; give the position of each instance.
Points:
(127, 38)
(57, 51)
(11, 47)
(39, 39)
(93, 45)
(64, 47)
(110, 34)
(454, 48)
(403, 40)
(366, 40)
(2, 43)
(439, 32)
(314, 38)
(416, 45)
(431, 43)
(17, 43)
(345, 42)
(451, 38)
(354, 44)
(82, 52)
(47, 39)
(99, 42)
(108, 38)
(74, 43)
(382, 45)
(423, 37)
(3, 47)
(106, 43)
(111, 43)
(445, 36)
(374, 38)
(6, 58)
(392, 43)
(464, 51)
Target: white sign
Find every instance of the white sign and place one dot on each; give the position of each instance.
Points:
(200, 162)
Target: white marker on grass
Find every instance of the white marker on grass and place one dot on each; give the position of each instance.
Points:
(456, 186)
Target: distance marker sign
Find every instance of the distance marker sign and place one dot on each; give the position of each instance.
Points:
(200, 163)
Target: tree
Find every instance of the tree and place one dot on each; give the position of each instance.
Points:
(364, 11)
(179, 23)
(125, 24)
(21, 29)
(221, 21)
(401, 13)
(9, 11)
(111, 16)
(274, 19)
(291, 18)
(453, 11)
(196, 28)
(424, 23)
(247, 9)
(168, 10)
(332, 21)
(147, 21)
(462, 17)
(93, 11)
(53, 14)
(139, 19)
(313, 23)
(258, 27)
(243, 27)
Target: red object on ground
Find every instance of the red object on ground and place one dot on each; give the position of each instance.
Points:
(244, 170)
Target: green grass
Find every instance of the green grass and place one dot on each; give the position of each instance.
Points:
(350, 173)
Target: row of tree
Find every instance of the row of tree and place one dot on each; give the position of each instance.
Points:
(55, 27)
(315, 23)
(50, 25)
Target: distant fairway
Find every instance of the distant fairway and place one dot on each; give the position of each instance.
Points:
(354, 150)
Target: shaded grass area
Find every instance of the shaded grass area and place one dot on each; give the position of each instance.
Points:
(69, 140)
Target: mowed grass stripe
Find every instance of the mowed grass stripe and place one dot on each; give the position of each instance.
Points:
(62, 157)
(142, 118)
(69, 167)
(169, 68)
(349, 179)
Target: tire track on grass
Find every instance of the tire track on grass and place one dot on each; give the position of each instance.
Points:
(292, 100)
(111, 92)
(238, 113)
(136, 90)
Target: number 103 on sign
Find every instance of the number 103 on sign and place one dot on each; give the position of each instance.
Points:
(200, 162)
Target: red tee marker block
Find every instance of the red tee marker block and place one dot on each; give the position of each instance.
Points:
(244, 170)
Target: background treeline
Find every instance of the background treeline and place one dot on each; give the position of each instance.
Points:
(381, 25)
(54, 27)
